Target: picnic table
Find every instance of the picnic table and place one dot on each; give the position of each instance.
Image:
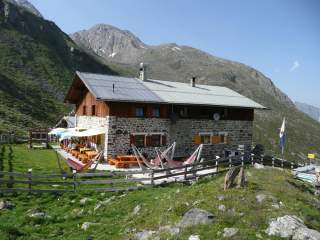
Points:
(84, 149)
(91, 154)
(123, 161)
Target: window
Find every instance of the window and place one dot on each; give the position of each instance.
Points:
(84, 110)
(93, 110)
(205, 138)
(183, 112)
(155, 112)
(139, 112)
(154, 140)
(209, 138)
(148, 140)
(223, 137)
(139, 140)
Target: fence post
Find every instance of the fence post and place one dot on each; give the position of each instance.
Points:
(242, 160)
(272, 161)
(252, 159)
(30, 179)
(262, 159)
(281, 163)
(230, 162)
(152, 176)
(217, 165)
(185, 173)
(291, 165)
(74, 176)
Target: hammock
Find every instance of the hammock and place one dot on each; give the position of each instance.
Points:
(80, 167)
(153, 163)
(194, 157)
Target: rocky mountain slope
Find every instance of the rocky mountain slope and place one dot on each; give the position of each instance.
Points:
(37, 62)
(180, 63)
(26, 5)
(311, 111)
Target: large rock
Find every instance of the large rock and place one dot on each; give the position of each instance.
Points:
(258, 166)
(230, 177)
(196, 216)
(230, 232)
(306, 234)
(194, 237)
(6, 205)
(145, 235)
(291, 227)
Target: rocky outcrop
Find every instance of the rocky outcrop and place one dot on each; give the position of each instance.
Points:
(291, 227)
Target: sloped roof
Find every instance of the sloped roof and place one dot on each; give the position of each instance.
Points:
(115, 88)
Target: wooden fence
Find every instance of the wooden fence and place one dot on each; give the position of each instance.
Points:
(124, 180)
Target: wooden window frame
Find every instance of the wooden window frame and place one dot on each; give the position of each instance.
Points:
(225, 137)
(143, 112)
(205, 134)
(148, 135)
(154, 115)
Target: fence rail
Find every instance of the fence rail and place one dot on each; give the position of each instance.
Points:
(125, 180)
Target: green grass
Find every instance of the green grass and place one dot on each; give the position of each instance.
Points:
(159, 206)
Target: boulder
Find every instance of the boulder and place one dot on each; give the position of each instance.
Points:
(39, 215)
(261, 197)
(86, 225)
(145, 235)
(230, 177)
(194, 237)
(6, 205)
(230, 232)
(291, 227)
(222, 207)
(306, 234)
(241, 179)
(196, 216)
(83, 201)
(258, 166)
(171, 230)
(136, 210)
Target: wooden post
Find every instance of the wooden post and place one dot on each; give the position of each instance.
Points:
(252, 160)
(272, 161)
(230, 162)
(217, 165)
(30, 179)
(291, 165)
(242, 160)
(152, 176)
(185, 173)
(282, 163)
(262, 159)
(74, 176)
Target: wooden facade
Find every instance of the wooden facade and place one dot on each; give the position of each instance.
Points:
(88, 105)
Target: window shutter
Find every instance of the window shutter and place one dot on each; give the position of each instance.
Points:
(132, 139)
(164, 140)
(216, 139)
(197, 139)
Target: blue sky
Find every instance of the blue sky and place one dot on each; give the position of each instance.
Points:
(279, 38)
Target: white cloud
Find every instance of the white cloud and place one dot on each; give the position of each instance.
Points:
(295, 65)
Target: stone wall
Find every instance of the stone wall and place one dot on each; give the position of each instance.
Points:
(184, 130)
(118, 130)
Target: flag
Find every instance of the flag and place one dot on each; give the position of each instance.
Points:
(282, 135)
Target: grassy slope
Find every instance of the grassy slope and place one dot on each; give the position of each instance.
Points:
(159, 206)
(37, 63)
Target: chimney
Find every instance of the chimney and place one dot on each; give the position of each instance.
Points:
(143, 72)
(193, 82)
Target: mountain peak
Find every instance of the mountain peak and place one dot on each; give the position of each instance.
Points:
(25, 4)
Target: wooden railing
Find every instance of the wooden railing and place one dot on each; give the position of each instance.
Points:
(125, 180)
